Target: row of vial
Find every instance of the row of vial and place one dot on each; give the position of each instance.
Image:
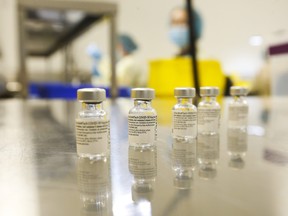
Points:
(188, 120)
(93, 126)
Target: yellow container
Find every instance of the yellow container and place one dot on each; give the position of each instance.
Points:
(167, 74)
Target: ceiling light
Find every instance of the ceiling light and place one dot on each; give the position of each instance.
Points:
(256, 40)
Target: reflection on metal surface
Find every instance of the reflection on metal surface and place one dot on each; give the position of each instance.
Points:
(276, 156)
(237, 147)
(208, 155)
(143, 167)
(94, 186)
(208, 171)
(255, 130)
(183, 162)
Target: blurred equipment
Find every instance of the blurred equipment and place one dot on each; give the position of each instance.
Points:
(177, 72)
(279, 68)
(48, 26)
(8, 89)
(261, 84)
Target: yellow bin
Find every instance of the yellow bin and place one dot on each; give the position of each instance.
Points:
(167, 74)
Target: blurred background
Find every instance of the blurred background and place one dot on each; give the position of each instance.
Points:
(67, 45)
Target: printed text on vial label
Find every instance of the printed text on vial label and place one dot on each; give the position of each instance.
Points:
(184, 123)
(208, 120)
(92, 136)
(142, 128)
(238, 115)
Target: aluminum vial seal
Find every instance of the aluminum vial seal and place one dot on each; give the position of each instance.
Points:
(184, 92)
(209, 91)
(91, 95)
(238, 91)
(143, 93)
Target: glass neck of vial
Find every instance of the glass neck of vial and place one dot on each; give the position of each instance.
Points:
(142, 103)
(92, 106)
(209, 98)
(182, 100)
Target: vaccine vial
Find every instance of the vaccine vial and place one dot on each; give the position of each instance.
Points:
(184, 120)
(208, 111)
(142, 119)
(92, 125)
(238, 108)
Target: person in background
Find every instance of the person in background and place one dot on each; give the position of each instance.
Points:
(96, 55)
(129, 71)
(179, 30)
(179, 34)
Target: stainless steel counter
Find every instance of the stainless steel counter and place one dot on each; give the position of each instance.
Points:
(41, 175)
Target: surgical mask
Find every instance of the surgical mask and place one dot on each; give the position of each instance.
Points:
(179, 35)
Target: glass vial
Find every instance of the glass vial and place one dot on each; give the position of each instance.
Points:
(184, 120)
(208, 111)
(92, 124)
(238, 108)
(142, 119)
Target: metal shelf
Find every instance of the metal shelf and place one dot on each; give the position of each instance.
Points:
(37, 37)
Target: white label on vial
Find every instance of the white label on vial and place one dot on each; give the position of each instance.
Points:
(238, 115)
(208, 120)
(184, 123)
(142, 129)
(92, 137)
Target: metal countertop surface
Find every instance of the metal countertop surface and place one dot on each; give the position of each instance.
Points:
(40, 173)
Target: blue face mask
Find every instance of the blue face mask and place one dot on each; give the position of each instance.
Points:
(179, 35)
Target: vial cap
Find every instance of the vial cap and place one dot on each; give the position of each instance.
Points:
(184, 92)
(143, 93)
(238, 91)
(91, 95)
(209, 91)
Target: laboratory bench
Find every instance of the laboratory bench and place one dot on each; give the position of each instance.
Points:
(40, 173)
